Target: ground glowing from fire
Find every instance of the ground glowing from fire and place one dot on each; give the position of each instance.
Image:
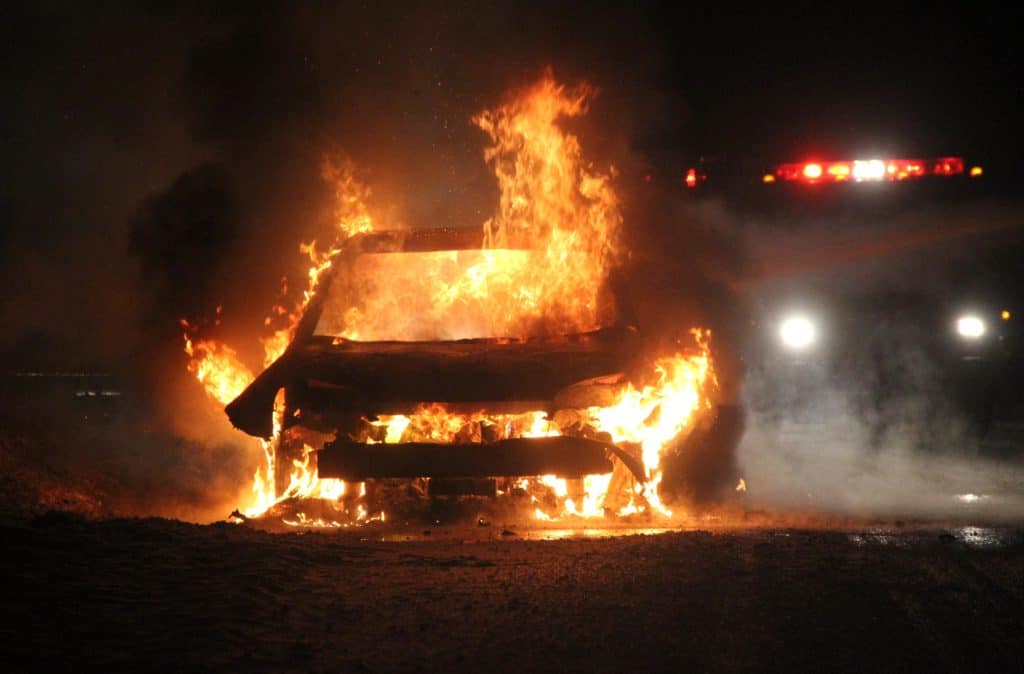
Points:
(566, 213)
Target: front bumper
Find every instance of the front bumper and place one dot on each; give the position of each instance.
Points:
(564, 456)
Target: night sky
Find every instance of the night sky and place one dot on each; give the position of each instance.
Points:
(163, 159)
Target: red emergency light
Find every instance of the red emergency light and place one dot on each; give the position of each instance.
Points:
(865, 170)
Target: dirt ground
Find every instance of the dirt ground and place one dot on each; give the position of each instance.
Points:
(160, 595)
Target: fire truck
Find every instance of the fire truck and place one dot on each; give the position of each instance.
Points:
(894, 278)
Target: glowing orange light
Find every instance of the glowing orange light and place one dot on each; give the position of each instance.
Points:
(839, 171)
(1005, 315)
(691, 178)
(768, 178)
(812, 171)
(976, 171)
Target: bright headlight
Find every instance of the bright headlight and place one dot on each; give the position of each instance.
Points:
(970, 326)
(797, 332)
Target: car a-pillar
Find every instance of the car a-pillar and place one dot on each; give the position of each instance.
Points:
(292, 440)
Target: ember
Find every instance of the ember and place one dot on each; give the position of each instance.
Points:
(549, 381)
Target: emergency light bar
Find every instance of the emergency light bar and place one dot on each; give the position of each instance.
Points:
(865, 170)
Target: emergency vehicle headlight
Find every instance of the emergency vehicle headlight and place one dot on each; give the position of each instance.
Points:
(797, 332)
(970, 326)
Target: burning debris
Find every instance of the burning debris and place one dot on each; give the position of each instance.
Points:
(461, 362)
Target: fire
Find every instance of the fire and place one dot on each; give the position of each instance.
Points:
(224, 376)
(434, 423)
(656, 413)
(653, 415)
(541, 269)
(553, 198)
(304, 483)
(650, 417)
(552, 201)
(351, 196)
(217, 367)
(352, 217)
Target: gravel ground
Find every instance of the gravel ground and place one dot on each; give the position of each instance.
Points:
(160, 595)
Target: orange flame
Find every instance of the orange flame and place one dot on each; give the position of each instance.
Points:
(556, 201)
(651, 416)
(352, 217)
(657, 413)
(551, 201)
(224, 376)
(217, 367)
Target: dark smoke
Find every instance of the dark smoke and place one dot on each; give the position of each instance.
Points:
(182, 237)
(181, 240)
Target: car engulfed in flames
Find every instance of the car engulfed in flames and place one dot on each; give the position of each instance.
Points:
(471, 414)
(460, 362)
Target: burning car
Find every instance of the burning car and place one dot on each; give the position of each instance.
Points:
(397, 389)
(493, 361)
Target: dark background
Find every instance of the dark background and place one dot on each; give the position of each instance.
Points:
(157, 155)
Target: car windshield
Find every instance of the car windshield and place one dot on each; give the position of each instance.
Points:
(428, 296)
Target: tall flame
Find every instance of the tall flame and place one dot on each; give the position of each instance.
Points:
(556, 201)
(552, 201)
